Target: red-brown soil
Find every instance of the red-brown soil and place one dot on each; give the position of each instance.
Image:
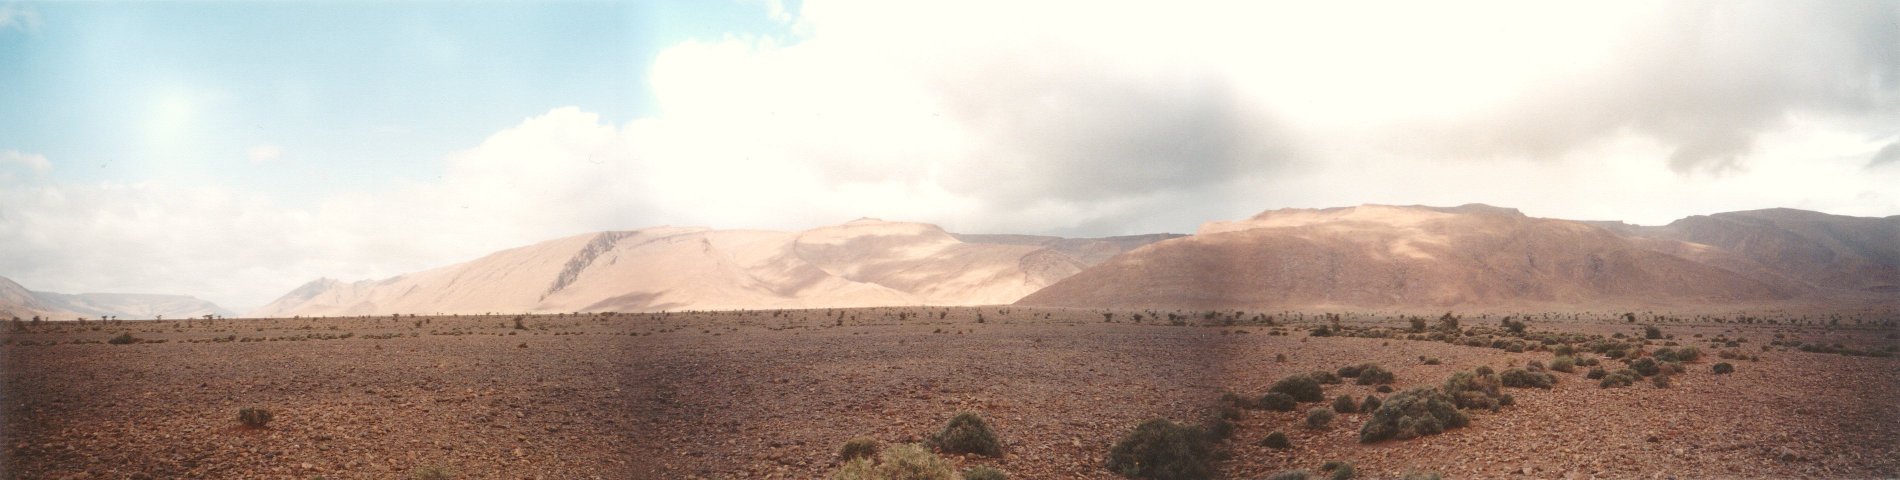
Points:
(754, 395)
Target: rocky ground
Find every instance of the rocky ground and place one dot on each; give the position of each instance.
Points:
(773, 395)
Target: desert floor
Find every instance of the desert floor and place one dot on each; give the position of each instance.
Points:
(768, 394)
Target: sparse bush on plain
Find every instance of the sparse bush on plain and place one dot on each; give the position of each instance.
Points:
(858, 447)
(1344, 404)
(984, 472)
(1326, 377)
(1652, 333)
(1277, 440)
(1371, 374)
(1724, 368)
(1521, 378)
(1279, 402)
(966, 433)
(1369, 405)
(907, 461)
(1341, 470)
(1596, 373)
(1564, 364)
(254, 417)
(1471, 390)
(1303, 388)
(1291, 475)
(1413, 413)
(1620, 378)
(1163, 450)
(1660, 381)
(1646, 366)
(432, 472)
(1319, 418)
(123, 339)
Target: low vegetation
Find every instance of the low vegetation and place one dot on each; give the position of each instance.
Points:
(1304, 388)
(1521, 378)
(1319, 418)
(907, 461)
(1411, 414)
(859, 447)
(253, 417)
(1163, 450)
(1277, 440)
(966, 433)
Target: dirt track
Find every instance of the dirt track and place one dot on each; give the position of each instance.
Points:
(756, 395)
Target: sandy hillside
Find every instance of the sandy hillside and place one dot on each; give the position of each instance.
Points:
(862, 263)
(18, 301)
(1427, 257)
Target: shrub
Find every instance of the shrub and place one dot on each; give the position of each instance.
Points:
(1672, 368)
(432, 472)
(1218, 426)
(1278, 402)
(1319, 418)
(1161, 449)
(1418, 324)
(1344, 404)
(1652, 333)
(123, 339)
(1724, 368)
(1596, 373)
(1565, 350)
(1521, 378)
(1413, 413)
(1290, 475)
(1374, 375)
(1470, 390)
(1564, 364)
(1326, 378)
(1341, 470)
(254, 417)
(1645, 366)
(1352, 371)
(905, 461)
(1303, 388)
(1276, 440)
(1384, 389)
(1620, 378)
(1485, 370)
(859, 447)
(1371, 403)
(966, 433)
(1422, 476)
(1660, 381)
(984, 472)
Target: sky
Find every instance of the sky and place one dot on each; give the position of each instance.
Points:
(235, 150)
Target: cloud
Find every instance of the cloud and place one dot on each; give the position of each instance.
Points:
(264, 153)
(18, 16)
(1887, 155)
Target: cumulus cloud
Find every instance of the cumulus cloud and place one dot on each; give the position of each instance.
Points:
(1029, 118)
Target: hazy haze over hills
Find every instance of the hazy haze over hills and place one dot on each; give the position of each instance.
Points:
(17, 301)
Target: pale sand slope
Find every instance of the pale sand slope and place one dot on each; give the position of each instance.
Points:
(862, 263)
(18, 301)
(1473, 256)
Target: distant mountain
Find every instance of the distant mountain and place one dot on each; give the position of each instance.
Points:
(17, 301)
(1090, 251)
(867, 262)
(1377, 256)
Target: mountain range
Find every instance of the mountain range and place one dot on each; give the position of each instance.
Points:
(1369, 256)
(17, 301)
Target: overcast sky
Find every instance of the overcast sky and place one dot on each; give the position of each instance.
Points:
(234, 151)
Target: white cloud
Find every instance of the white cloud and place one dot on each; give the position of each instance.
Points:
(1012, 117)
(264, 153)
(33, 162)
(18, 16)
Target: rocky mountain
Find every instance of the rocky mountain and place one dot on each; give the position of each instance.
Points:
(17, 301)
(1415, 257)
(867, 262)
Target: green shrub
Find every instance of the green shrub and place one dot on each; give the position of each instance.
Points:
(1319, 418)
(1422, 476)
(432, 472)
(1218, 426)
(1646, 366)
(1326, 378)
(1660, 381)
(1724, 368)
(1163, 450)
(1371, 374)
(123, 339)
(1341, 470)
(1371, 403)
(1291, 475)
(1564, 364)
(1471, 390)
(858, 447)
(1413, 413)
(1344, 404)
(904, 461)
(1652, 333)
(1596, 373)
(254, 417)
(1620, 378)
(1485, 370)
(1279, 402)
(1565, 350)
(1383, 389)
(1276, 440)
(1521, 378)
(966, 433)
(984, 472)
(1303, 388)
(1352, 371)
